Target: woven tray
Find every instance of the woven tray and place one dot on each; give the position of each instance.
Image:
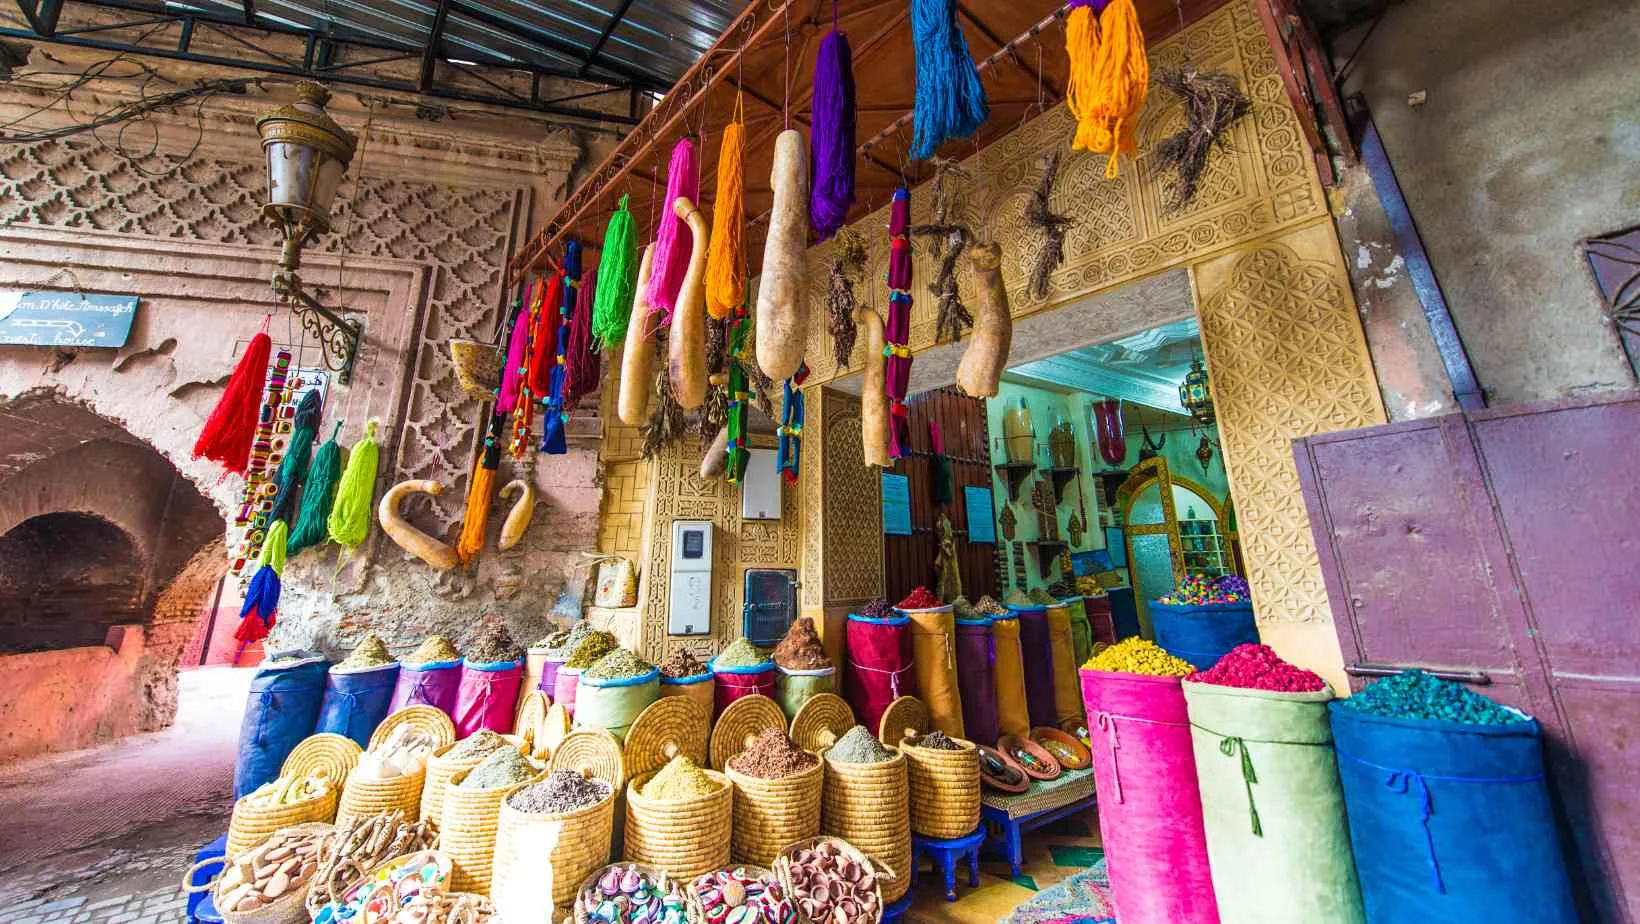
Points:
(666, 728)
(820, 721)
(742, 721)
(430, 719)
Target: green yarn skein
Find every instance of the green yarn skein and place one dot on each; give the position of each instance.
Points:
(318, 495)
(617, 279)
(350, 516)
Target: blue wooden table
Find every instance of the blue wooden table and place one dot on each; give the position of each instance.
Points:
(1008, 817)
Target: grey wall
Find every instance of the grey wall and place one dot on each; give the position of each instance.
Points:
(1528, 142)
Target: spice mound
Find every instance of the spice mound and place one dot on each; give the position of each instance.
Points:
(1088, 586)
(920, 599)
(679, 779)
(1201, 590)
(963, 608)
(859, 746)
(370, 652)
(740, 653)
(989, 607)
(280, 866)
(876, 609)
(560, 645)
(939, 741)
(494, 644)
(830, 885)
(627, 895)
(591, 650)
(772, 756)
(619, 665)
(1418, 695)
(1042, 597)
(433, 649)
(1061, 589)
(1138, 656)
(1258, 667)
(562, 791)
(743, 897)
(800, 650)
(1017, 597)
(505, 767)
(681, 662)
(481, 743)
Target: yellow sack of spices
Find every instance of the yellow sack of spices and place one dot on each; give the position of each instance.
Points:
(934, 662)
(1013, 715)
(1067, 686)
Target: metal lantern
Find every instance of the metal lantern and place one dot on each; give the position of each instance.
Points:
(1195, 393)
(308, 153)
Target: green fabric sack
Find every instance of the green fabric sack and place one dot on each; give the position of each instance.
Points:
(792, 688)
(1081, 630)
(1277, 839)
(614, 704)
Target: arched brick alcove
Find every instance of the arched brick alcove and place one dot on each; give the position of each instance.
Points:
(65, 580)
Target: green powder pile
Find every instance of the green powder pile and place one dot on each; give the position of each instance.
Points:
(618, 664)
(681, 778)
(434, 649)
(1419, 695)
(479, 744)
(859, 746)
(1038, 595)
(740, 653)
(370, 652)
(1017, 597)
(505, 767)
(560, 645)
(591, 650)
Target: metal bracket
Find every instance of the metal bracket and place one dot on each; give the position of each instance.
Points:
(338, 337)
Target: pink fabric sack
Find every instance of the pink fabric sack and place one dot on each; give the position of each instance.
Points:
(1150, 811)
(488, 697)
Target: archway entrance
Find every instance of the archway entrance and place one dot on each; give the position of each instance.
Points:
(65, 580)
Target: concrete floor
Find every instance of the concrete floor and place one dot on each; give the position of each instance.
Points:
(105, 834)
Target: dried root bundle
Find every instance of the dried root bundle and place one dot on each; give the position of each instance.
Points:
(1054, 226)
(1213, 103)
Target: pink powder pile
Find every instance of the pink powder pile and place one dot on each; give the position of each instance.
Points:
(1257, 667)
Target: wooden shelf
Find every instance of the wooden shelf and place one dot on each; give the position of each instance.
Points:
(1015, 474)
(1061, 477)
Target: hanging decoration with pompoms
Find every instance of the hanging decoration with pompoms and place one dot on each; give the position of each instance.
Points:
(261, 607)
(553, 441)
(349, 522)
(298, 452)
(252, 516)
(1109, 77)
(582, 362)
(617, 280)
(831, 133)
(897, 330)
(673, 238)
(789, 447)
(318, 495)
(230, 429)
(739, 394)
(725, 253)
(523, 410)
(950, 99)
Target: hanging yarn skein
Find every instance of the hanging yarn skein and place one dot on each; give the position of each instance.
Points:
(318, 495)
(831, 153)
(298, 452)
(476, 519)
(950, 98)
(1109, 77)
(350, 516)
(618, 278)
(261, 606)
(543, 308)
(553, 441)
(673, 238)
(725, 266)
(229, 431)
(581, 358)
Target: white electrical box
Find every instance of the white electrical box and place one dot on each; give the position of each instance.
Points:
(760, 487)
(689, 591)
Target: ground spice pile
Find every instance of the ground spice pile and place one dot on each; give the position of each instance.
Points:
(433, 649)
(740, 653)
(681, 662)
(859, 746)
(591, 650)
(562, 791)
(1419, 695)
(938, 741)
(963, 608)
(772, 756)
(1042, 597)
(370, 652)
(1258, 667)
(1201, 590)
(989, 607)
(800, 650)
(1138, 656)
(920, 599)
(681, 778)
(480, 743)
(1017, 597)
(876, 609)
(617, 665)
(560, 645)
(1062, 589)
(494, 644)
(505, 767)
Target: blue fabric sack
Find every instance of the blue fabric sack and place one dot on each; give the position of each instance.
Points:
(1202, 633)
(1450, 822)
(281, 710)
(356, 701)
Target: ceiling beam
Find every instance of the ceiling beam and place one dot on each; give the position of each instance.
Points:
(429, 54)
(531, 34)
(249, 8)
(603, 37)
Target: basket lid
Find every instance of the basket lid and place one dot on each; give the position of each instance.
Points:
(743, 720)
(555, 725)
(335, 754)
(423, 718)
(532, 708)
(669, 726)
(821, 721)
(904, 714)
(593, 751)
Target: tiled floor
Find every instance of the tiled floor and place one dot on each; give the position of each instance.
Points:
(1052, 853)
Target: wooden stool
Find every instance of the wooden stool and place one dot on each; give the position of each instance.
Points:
(946, 853)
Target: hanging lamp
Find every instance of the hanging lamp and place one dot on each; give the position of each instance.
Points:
(1196, 394)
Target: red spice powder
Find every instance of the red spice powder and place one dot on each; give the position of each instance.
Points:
(920, 599)
(1257, 667)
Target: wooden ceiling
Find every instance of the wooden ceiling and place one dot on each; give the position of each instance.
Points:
(767, 57)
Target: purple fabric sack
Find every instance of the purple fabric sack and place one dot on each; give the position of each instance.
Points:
(1038, 649)
(432, 684)
(976, 680)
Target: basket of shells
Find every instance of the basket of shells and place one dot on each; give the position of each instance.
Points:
(266, 884)
(832, 882)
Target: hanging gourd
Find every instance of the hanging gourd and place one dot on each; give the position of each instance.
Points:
(831, 133)
(637, 351)
(672, 238)
(725, 260)
(229, 430)
(782, 293)
(617, 276)
(950, 99)
(686, 343)
(1109, 77)
(518, 519)
(897, 329)
(440, 555)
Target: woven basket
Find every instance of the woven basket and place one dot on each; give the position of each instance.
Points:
(944, 787)
(361, 797)
(440, 769)
(477, 365)
(783, 863)
(467, 835)
(691, 893)
(769, 814)
(287, 909)
(682, 837)
(666, 728)
(868, 806)
(335, 755)
(541, 858)
(430, 719)
(742, 721)
(592, 752)
(378, 874)
(822, 720)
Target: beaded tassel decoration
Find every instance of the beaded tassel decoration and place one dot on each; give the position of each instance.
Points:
(897, 329)
(349, 522)
(791, 426)
(553, 441)
(524, 408)
(261, 606)
(255, 501)
(318, 496)
(950, 100)
(298, 452)
(231, 427)
(739, 393)
(673, 238)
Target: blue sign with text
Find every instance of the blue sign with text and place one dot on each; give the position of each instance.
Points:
(66, 319)
(896, 505)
